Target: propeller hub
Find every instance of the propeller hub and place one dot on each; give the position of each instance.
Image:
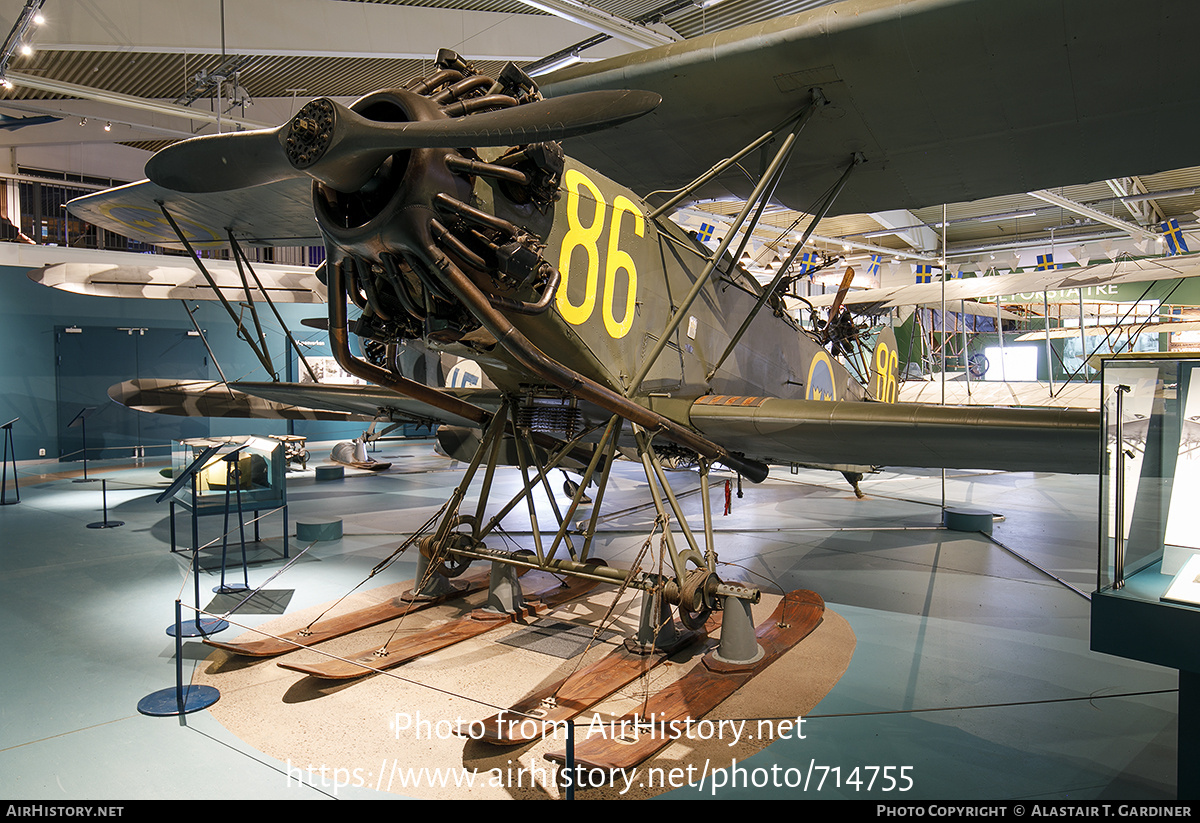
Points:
(310, 133)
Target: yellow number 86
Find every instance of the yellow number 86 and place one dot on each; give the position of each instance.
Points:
(587, 238)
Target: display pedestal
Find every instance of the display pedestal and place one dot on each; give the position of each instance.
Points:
(105, 523)
(80, 421)
(180, 699)
(1126, 624)
(10, 454)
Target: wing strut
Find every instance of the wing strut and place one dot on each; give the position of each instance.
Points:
(208, 348)
(763, 191)
(819, 214)
(237, 322)
(239, 255)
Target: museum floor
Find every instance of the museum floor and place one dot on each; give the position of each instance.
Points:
(971, 664)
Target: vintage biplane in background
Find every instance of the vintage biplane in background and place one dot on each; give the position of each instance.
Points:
(484, 217)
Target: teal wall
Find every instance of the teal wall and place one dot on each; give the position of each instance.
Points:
(30, 312)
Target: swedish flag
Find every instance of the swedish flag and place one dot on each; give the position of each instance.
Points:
(924, 272)
(706, 232)
(1174, 235)
(1045, 262)
(807, 264)
(873, 266)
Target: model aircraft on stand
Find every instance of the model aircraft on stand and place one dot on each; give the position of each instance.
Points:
(451, 214)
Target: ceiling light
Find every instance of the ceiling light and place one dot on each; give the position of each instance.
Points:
(26, 49)
(1014, 215)
(1157, 195)
(108, 126)
(83, 121)
(39, 19)
(879, 233)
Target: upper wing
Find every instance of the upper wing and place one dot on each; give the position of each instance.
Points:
(175, 278)
(1028, 282)
(948, 100)
(278, 214)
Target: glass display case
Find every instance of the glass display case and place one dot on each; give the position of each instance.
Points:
(1147, 601)
(260, 473)
(257, 475)
(1148, 586)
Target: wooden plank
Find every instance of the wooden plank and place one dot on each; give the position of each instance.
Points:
(410, 647)
(331, 627)
(699, 691)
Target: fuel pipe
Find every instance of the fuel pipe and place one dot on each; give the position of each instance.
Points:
(574, 383)
(339, 338)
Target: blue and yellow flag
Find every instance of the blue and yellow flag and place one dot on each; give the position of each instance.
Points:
(1174, 235)
(1045, 262)
(873, 266)
(806, 264)
(706, 232)
(924, 272)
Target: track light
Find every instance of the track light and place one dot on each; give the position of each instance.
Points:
(108, 126)
(82, 121)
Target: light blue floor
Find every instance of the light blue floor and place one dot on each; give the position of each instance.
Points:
(972, 665)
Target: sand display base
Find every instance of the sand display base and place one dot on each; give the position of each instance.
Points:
(409, 730)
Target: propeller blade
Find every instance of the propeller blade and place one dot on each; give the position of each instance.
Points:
(222, 162)
(342, 149)
(847, 279)
(556, 118)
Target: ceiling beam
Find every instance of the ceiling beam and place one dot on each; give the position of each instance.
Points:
(314, 28)
(128, 101)
(1095, 214)
(1127, 190)
(908, 229)
(618, 27)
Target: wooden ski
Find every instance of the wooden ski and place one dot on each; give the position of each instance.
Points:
(698, 692)
(567, 698)
(410, 647)
(571, 696)
(331, 627)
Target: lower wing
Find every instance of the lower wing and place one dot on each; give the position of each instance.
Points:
(286, 401)
(902, 434)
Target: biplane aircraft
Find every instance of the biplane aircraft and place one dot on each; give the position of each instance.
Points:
(526, 229)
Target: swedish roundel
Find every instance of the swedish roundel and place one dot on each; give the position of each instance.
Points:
(820, 378)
